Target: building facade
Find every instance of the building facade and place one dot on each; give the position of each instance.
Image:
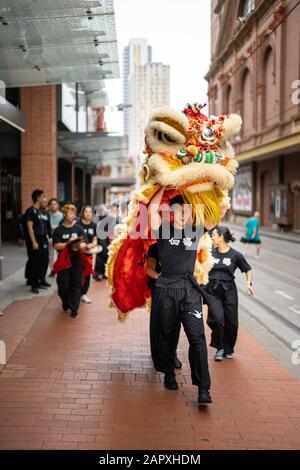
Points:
(138, 52)
(255, 71)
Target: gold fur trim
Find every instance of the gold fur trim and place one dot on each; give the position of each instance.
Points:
(202, 270)
(190, 174)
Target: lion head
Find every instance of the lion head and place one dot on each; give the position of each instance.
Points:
(191, 153)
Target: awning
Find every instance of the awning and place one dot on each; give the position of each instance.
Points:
(114, 183)
(97, 148)
(285, 145)
(12, 115)
(56, 41)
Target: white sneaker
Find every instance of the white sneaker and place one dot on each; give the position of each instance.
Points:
(229, 356)
(85, 299)
(219, 355)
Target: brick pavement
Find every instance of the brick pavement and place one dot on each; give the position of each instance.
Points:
(89, 384)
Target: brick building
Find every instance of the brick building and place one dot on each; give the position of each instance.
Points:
(255, 71)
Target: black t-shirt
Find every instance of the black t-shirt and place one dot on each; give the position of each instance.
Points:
(89, 230)
(62, 234)
(225, 264)
(177, 250)
(153, 253)
(35, 216)
(46, 221)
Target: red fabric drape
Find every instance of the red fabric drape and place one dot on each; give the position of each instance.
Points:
(64, 262)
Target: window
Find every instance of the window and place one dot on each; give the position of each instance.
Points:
(228, 100)
(246, 6)
(270, 99)
(247, 103)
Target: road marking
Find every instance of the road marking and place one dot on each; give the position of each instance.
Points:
(295, 308)
(284, 294)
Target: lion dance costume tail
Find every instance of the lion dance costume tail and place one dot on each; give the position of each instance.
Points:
(189, 154)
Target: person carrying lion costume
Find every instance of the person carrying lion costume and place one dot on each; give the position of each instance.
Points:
(189, 160)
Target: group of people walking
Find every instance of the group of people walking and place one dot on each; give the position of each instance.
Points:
(178, 299)
(65, 241)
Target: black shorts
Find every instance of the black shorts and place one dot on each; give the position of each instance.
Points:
(245, 240)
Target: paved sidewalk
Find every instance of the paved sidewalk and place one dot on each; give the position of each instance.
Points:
(89, 384)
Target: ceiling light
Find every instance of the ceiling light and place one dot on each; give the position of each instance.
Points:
(90, 15)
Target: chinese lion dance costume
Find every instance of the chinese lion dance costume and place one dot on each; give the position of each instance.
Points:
(189, 154)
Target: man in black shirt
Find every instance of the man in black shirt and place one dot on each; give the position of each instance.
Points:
(35, 241)
(45, 245)
(177, 297)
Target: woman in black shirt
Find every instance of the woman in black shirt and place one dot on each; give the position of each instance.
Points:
(89, 227)
(69, 280)
(221, 293)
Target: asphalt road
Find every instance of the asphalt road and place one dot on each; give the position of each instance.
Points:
(276, 303)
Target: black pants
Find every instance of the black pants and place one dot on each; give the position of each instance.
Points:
(69, 284)
(44, 259)
(154, 330)
(86, 285)
(101, 258)
(33, 269)
(222, 301)
(170, 307)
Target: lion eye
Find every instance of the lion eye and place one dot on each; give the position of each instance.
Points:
(207, 135)
(207, 132)
(165, 138)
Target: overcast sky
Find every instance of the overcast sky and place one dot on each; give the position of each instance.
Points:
(179, 33)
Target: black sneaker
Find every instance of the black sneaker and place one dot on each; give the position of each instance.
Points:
(41, 286)
(35, 290)
(74, 314)
(65, 307)
(177, 363)
(170, 382)
(204, 397)
(45, 284)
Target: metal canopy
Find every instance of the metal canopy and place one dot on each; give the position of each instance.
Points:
(113, 183)
(12, 115)
(96, 148)
(55, 41)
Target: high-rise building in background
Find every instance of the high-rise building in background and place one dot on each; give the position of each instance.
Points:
(136, 53)
(149, 89)
(146, 85)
